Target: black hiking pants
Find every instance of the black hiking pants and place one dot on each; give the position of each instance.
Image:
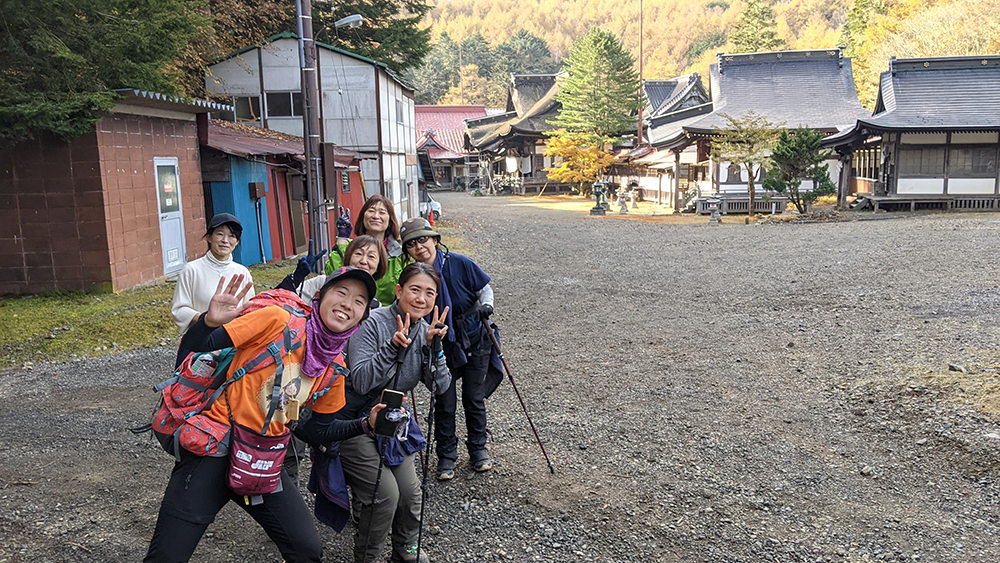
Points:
(473, 376)
(197, 491)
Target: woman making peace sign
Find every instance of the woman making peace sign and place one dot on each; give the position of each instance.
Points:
(393, 335)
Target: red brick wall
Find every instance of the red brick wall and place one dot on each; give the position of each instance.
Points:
(128, 144)
(52, 231)
(83, 215)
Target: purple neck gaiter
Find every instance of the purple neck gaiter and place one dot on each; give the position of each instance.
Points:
(322, 345)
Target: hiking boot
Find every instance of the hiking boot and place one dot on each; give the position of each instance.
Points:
(480, 461)
(445, 469)
(410, 556)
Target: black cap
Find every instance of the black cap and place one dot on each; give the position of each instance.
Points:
(350, 272)
(225, 219)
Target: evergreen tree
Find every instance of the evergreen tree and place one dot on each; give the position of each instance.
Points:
(477, 51)
(797, 157)
(746, 142)
(755, 31)
(852, 36)
(60, 59)
(392, 34)
(439, 72)
(599, 92)
(234, 24)
(521, 53)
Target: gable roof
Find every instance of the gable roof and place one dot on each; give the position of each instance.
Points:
(664, 96)
(290, 35)
(444, 125)
(813, 88)
(946, 92)
(531, 103)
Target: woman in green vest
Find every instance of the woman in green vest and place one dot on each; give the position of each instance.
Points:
(377, 219)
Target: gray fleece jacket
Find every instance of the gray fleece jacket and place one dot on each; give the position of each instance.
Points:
(371, 355)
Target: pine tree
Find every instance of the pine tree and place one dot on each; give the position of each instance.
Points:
(797, 157)
(393, 32)
(746, 142)
(599, 92)
(755, 31)
(439, 72)
(477, 51)
(60, 59)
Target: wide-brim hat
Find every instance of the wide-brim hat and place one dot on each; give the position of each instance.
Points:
(350, 272)
(415, 227)
(221, 219)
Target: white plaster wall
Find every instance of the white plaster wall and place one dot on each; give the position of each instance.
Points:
(237, 76)
(923, 138)
(985, 138)
(981, 186)
(920, 186)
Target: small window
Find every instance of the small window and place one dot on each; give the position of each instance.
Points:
(927, 161)
(977, 162)
(733, 174)
(399, 112)
(247, 108)
(284, 104)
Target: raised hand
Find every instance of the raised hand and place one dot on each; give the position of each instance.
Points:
(437, 319)
(400, 338)
(343, 223)
(225, 304)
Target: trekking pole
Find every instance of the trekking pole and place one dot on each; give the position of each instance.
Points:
(435, 348)
(378, 480)
(496, 346)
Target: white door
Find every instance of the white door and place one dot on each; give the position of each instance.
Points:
(171, 217)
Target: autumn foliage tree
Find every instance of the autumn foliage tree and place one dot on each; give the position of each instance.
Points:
(581, 159)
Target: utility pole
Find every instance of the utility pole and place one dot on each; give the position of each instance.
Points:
(319, 222)
(638, 137)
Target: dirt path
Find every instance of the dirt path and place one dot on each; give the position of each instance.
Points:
(739, 393)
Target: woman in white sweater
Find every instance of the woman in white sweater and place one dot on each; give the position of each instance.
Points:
(199, 279)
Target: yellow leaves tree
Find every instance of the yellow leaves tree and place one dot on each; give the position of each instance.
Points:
(471, 88)
(582, 159)
(925, 28)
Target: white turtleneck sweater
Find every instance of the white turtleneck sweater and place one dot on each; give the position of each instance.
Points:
(197, 284)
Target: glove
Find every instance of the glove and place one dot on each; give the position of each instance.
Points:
(343, 224)
(306, 265)
(484, 311)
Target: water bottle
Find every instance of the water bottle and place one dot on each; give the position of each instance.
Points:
(203, 365)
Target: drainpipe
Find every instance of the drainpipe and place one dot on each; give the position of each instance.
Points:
(378, 129)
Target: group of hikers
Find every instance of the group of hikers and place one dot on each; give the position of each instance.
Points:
(329, 361)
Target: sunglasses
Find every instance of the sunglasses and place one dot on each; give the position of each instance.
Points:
(413, 242)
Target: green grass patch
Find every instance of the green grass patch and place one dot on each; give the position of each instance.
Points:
(63, 325)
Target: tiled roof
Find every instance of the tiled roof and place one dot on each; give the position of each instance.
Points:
(796, 88)
(447, 124)
(663, 96)
(531, 120)
(952, 93)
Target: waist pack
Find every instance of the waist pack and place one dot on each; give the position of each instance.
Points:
(179, 420)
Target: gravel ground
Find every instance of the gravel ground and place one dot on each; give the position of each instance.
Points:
(706, 394)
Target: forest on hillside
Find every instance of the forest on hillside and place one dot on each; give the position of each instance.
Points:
(681, 36)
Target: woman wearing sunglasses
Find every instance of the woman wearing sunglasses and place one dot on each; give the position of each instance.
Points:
(467, 294)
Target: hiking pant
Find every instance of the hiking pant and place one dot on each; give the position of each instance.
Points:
(197, 491)
(397, 504)
(473, 376)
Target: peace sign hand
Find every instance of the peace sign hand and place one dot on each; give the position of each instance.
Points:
(225, 304)
(437, 319)
(400, 339)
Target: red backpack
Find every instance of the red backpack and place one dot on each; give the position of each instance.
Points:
(202, 377)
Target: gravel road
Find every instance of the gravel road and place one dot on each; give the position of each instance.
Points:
(706, 394)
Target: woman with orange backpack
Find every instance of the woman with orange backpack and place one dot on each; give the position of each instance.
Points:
(253, 410)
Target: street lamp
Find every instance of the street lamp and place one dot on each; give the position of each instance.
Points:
(319, 220)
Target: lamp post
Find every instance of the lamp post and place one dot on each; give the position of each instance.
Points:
(319, 222)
